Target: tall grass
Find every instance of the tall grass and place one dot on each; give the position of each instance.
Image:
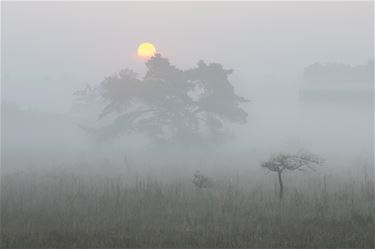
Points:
(51, 209)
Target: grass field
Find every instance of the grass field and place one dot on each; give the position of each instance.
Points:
(41, 209)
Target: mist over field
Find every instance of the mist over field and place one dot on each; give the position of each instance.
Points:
(250, 125)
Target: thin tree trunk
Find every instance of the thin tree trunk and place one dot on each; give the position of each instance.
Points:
(281, 190)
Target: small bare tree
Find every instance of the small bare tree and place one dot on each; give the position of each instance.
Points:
(284, 161)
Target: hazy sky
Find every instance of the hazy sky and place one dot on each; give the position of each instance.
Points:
(50, 49)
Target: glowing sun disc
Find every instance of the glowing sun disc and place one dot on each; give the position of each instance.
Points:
(146, 50)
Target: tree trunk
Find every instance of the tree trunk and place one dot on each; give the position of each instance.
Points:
(281, 190)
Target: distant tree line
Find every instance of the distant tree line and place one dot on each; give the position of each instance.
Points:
(339, 73)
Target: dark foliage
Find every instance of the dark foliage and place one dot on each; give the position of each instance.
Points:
(169, 104)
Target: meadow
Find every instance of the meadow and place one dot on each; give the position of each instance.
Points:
(55, 208)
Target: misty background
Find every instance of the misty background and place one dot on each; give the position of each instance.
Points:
(199, 165)
(51, 50)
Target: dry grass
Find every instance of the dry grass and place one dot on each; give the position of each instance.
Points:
(56, 210)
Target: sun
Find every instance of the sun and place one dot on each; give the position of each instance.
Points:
(146, 50)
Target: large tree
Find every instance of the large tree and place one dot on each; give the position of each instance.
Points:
(169, 104)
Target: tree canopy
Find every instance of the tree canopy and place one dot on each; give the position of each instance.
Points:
(169, 104)
(286, 161)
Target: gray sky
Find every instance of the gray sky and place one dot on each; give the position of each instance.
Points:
(50, 49)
